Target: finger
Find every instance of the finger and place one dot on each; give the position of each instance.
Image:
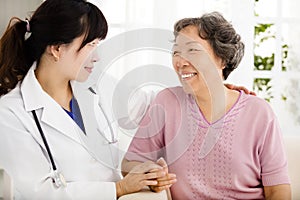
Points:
(159, 170)
(149, 182)
(167, 182)
(244, 89)
(145, 167)
(160, 188)
(229, 86)
(155, 175)
(167, 177)
(161, 161)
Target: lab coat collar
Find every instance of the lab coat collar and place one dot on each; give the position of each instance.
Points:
(36, 98)
(32, 92)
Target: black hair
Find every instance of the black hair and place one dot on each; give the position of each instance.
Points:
(54, 22)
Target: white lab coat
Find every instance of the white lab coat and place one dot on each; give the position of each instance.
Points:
(88, 163)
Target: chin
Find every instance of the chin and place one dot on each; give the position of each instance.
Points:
(187, 89)
(81, 79)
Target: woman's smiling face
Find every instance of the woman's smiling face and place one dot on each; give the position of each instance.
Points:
(194, 60)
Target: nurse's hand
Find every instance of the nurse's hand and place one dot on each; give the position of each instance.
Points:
(165, 182)
(139, 177)
(238, 88)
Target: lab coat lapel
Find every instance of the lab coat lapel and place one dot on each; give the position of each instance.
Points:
(86, 102)
(99, 146)
(35, 98)
(54, 116)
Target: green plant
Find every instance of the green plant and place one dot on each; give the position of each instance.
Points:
(262, 33)
(263, 86)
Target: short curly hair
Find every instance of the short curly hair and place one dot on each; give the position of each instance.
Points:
(220, 34)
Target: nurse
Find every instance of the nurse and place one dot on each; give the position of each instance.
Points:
(44, 139)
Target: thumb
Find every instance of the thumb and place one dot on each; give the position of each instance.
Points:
(161, 161)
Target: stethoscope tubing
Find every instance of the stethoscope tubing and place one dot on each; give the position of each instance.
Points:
(58, 178)
(113, 139)
(44, 140)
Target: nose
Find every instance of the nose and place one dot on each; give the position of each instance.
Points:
(95, 56)
(180, 62)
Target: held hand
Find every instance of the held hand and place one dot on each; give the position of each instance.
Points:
(165, 182)
(139, 177)
(238, 88)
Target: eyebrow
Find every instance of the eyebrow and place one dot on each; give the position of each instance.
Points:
(187, 43)
(192, 42)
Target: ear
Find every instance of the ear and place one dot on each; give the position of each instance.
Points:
(223, 64)
(55, 51)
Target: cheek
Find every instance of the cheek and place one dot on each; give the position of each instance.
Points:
(175, 63)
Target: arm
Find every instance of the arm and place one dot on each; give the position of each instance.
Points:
(149, 141)
(274, 164)
(278, 192)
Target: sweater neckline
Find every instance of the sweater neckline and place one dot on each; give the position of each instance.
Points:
(197, 113)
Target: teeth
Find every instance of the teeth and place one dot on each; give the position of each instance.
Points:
(184, 76)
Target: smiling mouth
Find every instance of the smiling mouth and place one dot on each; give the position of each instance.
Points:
(187, 76)
(89, 69)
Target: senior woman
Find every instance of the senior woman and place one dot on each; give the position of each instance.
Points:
(220, 143)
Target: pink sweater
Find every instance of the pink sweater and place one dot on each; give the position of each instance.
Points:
(232, 158)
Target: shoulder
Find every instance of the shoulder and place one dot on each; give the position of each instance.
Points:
(171, 94)
(257, 106)
(11, 101)
(168, 100)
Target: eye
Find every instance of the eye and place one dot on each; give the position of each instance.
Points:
(94, 43)
(194, 50)
(175, 53)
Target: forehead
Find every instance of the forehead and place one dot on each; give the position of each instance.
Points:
(190, 36)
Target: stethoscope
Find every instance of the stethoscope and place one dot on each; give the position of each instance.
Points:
(113, 138)
(58, 178)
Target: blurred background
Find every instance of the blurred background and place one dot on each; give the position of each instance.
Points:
(270, 30)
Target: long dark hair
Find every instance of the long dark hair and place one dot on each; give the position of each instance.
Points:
(54, 22)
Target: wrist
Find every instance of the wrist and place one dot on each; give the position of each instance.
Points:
(119, 189)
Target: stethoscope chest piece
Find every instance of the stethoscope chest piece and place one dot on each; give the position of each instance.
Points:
(59, 179)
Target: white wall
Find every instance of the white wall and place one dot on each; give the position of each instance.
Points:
(1, 183)
(15, 8)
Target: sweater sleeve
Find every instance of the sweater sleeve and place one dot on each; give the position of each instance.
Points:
(273, 159)
(148, 141)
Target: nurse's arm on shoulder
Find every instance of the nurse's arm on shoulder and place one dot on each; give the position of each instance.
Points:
(278, 192)
(239, 88)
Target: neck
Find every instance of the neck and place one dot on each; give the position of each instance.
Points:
(215, 102)
(54, 84)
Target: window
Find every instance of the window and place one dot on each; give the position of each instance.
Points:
(276, 66)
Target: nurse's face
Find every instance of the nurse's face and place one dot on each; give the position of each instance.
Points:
(194, 61)
(78, 65)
